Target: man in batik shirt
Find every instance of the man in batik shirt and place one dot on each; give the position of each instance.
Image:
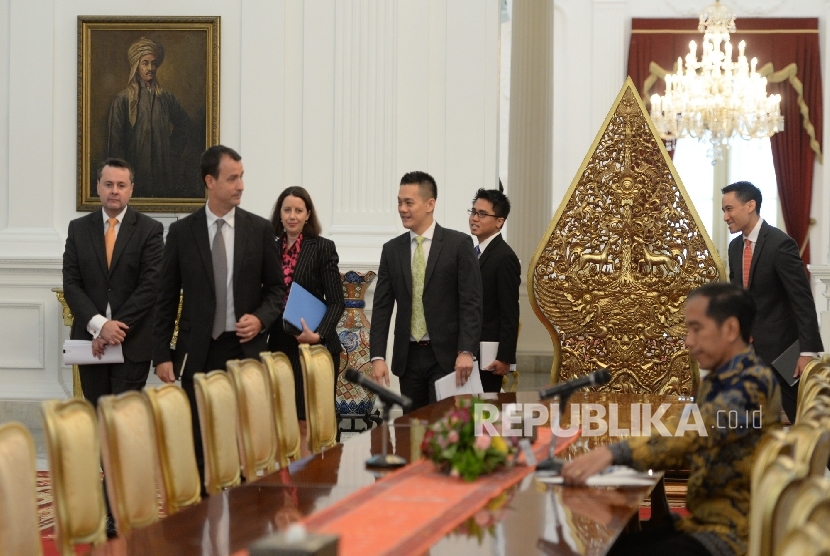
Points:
(738, 401)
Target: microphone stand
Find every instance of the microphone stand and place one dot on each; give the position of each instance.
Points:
(553, 465)
(385, 460)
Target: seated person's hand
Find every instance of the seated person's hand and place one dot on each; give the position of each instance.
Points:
(577, 471)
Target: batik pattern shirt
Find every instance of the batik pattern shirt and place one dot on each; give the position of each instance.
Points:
(738, 403)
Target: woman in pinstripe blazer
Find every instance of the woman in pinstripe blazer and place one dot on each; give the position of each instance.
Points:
(311, 261)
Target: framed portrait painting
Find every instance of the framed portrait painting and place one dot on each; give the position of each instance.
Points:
(148, 92)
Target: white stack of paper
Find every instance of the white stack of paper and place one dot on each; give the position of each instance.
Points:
(79, 352)
(487, 354)
(445, 386)
(615, 475)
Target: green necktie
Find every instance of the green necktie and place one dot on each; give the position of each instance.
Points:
(418, 323)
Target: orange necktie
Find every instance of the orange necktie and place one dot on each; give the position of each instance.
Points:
(747, 261)
(109, 239)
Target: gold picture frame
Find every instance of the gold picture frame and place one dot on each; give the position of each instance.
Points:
(163, 132)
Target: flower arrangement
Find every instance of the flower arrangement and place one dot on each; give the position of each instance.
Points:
(452, 444)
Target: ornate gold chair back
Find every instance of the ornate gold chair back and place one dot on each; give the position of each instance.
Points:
(19, 528)
(256, 423)
(318, 378)
(287, 426)
(70, 427)
(128, 449)
(216, 402)
(622, 252)
(174, 446)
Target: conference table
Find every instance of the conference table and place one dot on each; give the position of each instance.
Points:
(530, 517)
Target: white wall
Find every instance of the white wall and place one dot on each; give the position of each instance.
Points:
(340, 96)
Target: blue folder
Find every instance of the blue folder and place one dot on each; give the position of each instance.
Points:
(302, 304)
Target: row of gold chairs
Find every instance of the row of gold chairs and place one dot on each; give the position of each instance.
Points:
(146, 439)
(790, 503)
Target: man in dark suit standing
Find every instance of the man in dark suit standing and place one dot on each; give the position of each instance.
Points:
(431, 273)
(224, 262)
(765, 261)
(500, 281)
(111, 271)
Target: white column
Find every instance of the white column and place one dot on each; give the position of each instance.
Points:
(531, 146)
(608, 62)
(364, 128)
(29, 230)
(531, 126)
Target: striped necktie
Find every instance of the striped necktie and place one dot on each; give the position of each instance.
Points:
(747, 263)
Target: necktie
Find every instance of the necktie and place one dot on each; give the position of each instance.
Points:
(109, 239)
(478, 250)
(418, 323)
(747, 261)
(220, 280)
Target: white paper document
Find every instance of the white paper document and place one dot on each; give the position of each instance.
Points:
(79, 352)
(445, 387)
(487, 354)
(615, 475)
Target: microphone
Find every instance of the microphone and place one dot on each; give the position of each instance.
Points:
(386, 395)
(595, 378)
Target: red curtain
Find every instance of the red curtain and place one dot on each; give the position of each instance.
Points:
(781, 42)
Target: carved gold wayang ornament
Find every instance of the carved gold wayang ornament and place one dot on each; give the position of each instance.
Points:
(622, 252)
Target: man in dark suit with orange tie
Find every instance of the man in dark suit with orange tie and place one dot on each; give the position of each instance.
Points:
(223, 262)
(765, 261)
(500, 281)
(432, 274)
(111, 271)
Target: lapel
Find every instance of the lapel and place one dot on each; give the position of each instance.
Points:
(198, 227)
(434, 251)
(489, 251)
(307, 251)
(242, 227)
(759, 246)
(406, 260)
(125, 232)
(96, 237)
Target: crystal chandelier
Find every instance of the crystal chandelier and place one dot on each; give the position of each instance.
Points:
(715, 99)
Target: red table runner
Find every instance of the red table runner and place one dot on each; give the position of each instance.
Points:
(411, 509)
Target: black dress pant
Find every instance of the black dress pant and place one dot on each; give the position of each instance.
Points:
(422, 370)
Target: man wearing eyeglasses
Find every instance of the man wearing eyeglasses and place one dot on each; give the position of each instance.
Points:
(500, 280)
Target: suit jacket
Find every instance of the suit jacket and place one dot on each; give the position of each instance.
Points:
(777, 280)
(317, 271)
(452, 299)
(129, 285)
(188, 268)
(500, 281)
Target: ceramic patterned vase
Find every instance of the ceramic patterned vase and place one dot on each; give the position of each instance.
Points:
(353, 331)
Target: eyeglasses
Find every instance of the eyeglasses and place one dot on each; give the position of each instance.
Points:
(481, 213)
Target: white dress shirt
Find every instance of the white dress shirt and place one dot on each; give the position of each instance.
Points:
(483, 244)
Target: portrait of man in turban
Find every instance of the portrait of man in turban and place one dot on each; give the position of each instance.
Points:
(148, 126)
